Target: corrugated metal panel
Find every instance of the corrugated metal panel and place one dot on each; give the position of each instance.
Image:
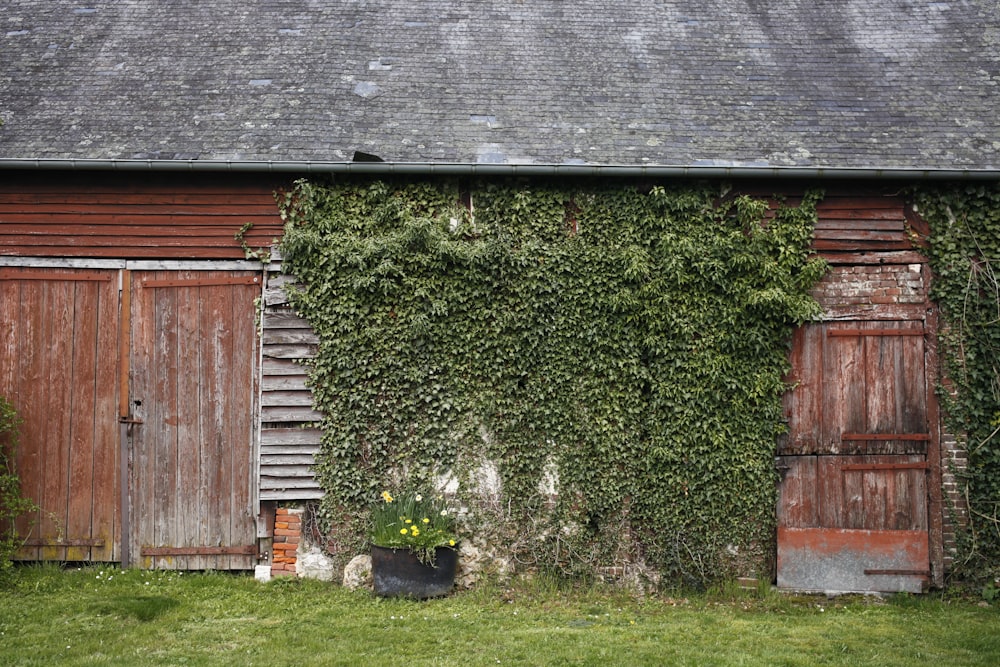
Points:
(135, 217)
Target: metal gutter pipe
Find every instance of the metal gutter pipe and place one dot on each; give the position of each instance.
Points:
(485, 169)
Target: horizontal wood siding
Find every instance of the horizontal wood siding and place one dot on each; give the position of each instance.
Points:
(53, 215)
(290, 434)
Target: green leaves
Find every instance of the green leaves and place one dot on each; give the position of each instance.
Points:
(631, 341)
(965, 256)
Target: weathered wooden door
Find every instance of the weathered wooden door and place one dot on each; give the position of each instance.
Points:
(58, 367)
(853, 502)
(193, 345)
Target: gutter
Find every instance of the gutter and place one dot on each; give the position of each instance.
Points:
(492, 169)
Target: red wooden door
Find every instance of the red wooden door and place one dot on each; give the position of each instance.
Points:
(58, 367)
(852, 510)
(192, 368)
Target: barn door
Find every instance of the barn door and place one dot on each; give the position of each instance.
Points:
(193, 352)
(853, 501)
(58, 366)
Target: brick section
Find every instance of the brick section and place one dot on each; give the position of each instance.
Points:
(287, 535)
(871, 284)
(954, 461)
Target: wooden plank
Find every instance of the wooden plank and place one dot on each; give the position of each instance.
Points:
(875, 332)
(106, 520)
(286, 398)
(58, 401)
(290, 351)
(286, 459)
(280, 414)
(291, 494)
(195, 551)
(280, 450)
(290, 436)
(285, 383)
(870, 236)
(82, 426)
(273, 336)
(15, 360)
(797, 504)
(79, 542)
(882, 258)
(193, 434)
(273, 366)
(301, 471)
(917, 465)
(201, 281)
(285, 320)
(244, 392)
(844, 392)
(167, 364)
(304, 481)
(886, 436)
(12, 273)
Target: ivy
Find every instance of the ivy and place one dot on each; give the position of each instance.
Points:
(12, 503)
(626, 346)
(964, 251)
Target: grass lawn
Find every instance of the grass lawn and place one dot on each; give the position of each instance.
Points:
(106, 616)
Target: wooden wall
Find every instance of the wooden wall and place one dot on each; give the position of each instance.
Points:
(290, 434)
(54, 214)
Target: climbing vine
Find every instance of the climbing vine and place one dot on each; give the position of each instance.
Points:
(12, 503)
(596, 371)
(965, 256)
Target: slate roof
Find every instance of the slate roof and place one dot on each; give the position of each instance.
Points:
(846, 84)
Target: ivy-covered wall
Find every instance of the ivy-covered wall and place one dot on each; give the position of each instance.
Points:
(594, 370)
(965, 256)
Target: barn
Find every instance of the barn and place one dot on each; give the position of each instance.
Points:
(147, 341)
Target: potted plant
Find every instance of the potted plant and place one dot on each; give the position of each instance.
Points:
(413, 546)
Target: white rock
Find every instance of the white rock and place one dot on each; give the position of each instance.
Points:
(312, 563)
(358, 573)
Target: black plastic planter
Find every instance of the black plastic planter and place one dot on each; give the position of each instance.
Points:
(399, 573)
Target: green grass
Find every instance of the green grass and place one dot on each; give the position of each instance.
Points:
(105, 616)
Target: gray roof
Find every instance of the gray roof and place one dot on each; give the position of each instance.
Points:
(758, 83)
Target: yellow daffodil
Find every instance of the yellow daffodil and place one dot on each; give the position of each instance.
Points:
(426, 520)
(402, 531)
(451, 543)
(386, 497)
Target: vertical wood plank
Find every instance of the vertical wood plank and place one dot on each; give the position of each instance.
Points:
(14, 368)
(843, 391)
(106, 478)
(190, 399)
(143, 462)
(57, 384)
(166, 363)
(244, 397)
(82, 425)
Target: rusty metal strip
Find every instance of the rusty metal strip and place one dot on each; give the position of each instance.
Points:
(905, 573)
(875, 332)
(76, 276)
(886, 436)
(246, 550)
(921, 465)
(202, 282)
